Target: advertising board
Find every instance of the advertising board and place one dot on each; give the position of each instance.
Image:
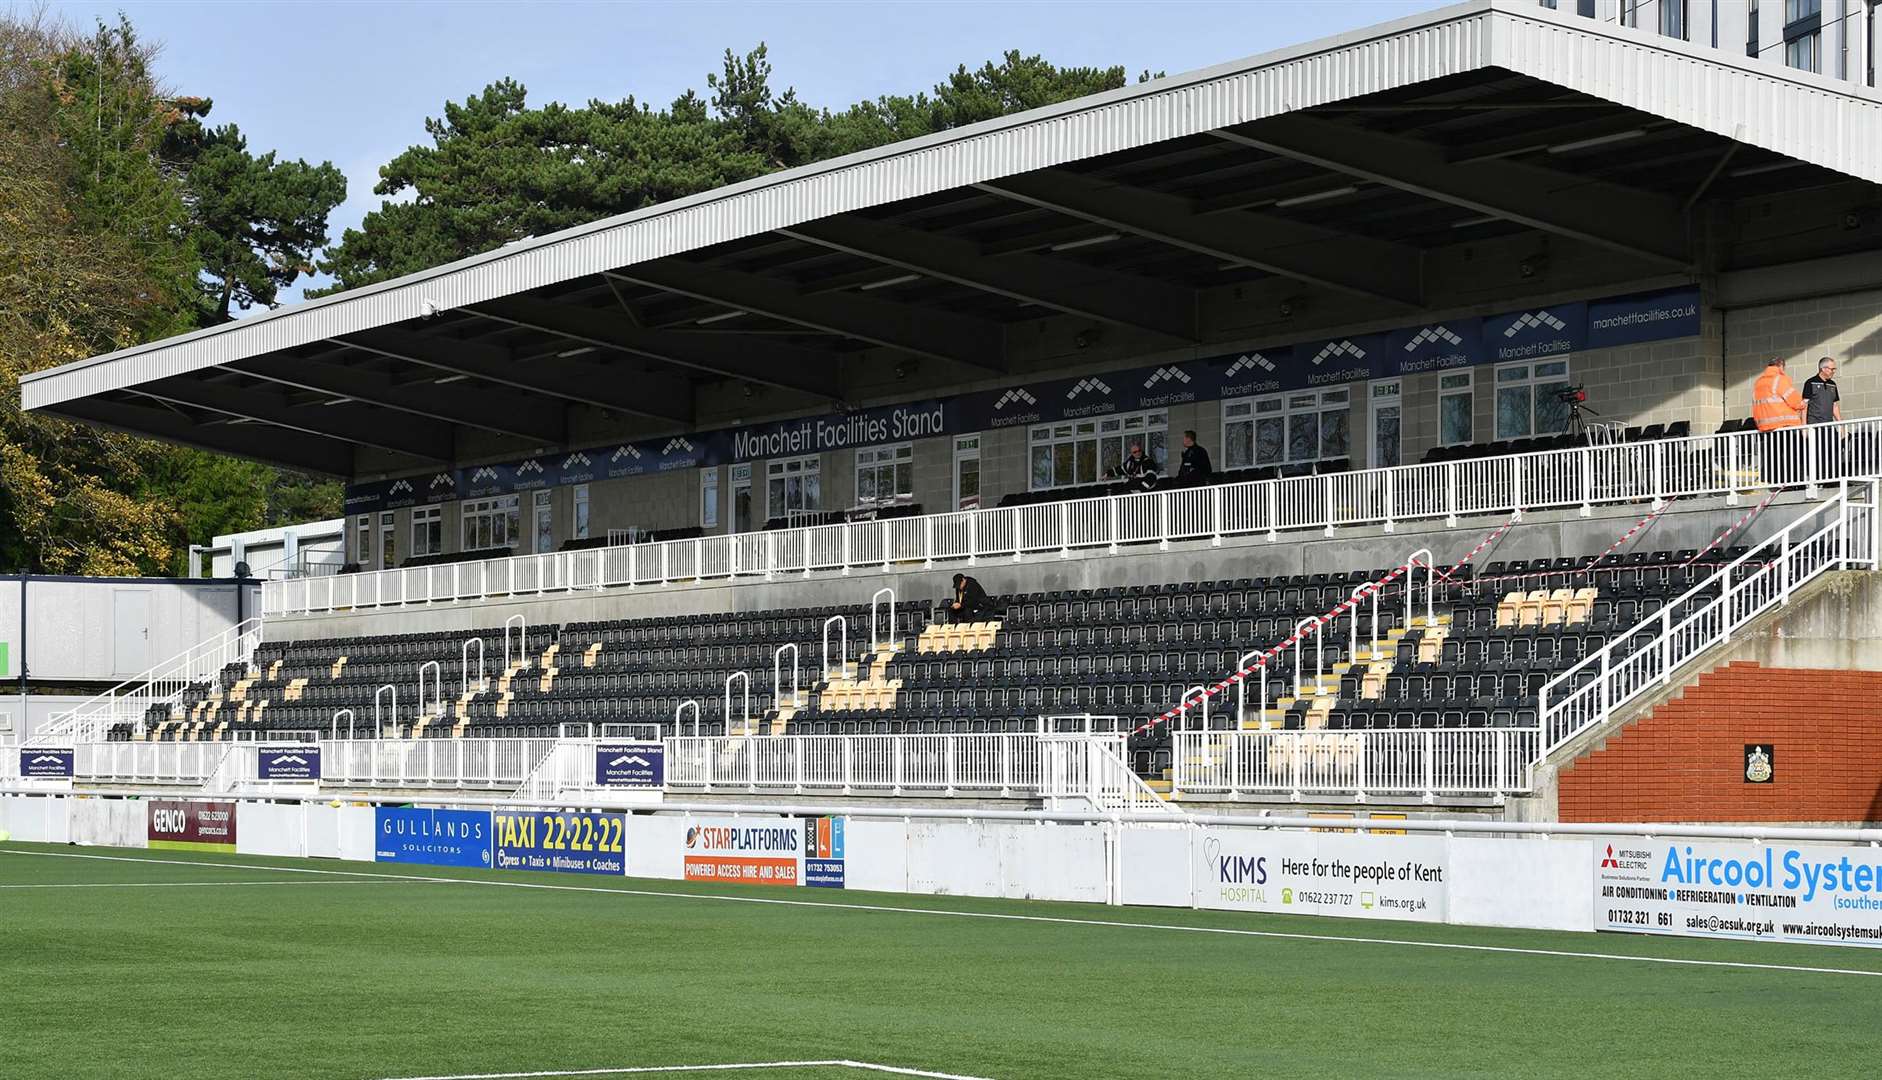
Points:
(432, 837)
(570, 842)
(287, 763)
(47, 763)
(637, 765)
(1818, 894)
(190, 826)
(744, 851)
(1363, 877)
(823, 852)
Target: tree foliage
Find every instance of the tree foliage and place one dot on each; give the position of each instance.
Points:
(498, 170)
(100, 249)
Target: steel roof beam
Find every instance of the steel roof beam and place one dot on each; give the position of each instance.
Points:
(911, 329)
(289, 450)
(426, 439)
(784, 367)
(535, 419)
(568, 379)
(1120, 299)
(1623, 219)
(1278, 245)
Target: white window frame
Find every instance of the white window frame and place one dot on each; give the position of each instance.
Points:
(1110, 439)
(966, 449)
(1465, 388)
(1381, 395)
(1284, 407)
(427, 530)
(709, 498)
(878, 461)
(541, 504)
(1532, 380)
(388, 538)
(781, 470)
(362, 542)
(505, 510)
(579, 523)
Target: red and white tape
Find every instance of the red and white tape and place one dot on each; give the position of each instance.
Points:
(1305, 628)
(1743, 520)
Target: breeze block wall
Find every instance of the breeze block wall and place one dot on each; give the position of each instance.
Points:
(1685, 760)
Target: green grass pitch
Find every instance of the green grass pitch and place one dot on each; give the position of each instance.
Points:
(183, 965)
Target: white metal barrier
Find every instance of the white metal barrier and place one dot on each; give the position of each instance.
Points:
(1002, 765)
(1427, 764)
(1576, 478)
(1840, 533)
(127, 702)
(190, 764)
(494, 764)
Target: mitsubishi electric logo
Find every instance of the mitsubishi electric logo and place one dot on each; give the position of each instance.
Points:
(1529, 320)
(624, 452)
(1018, 393)
(677, 442)
(1162, 374)
(443, 479)
(577, 458)
(1430, 334)
(1246, 362)
(403, 487)
(1087, 384)
(485, 473)
(530, 466)
(1336, 349)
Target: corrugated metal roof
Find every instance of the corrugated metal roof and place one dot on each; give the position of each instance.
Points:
(1804, 116)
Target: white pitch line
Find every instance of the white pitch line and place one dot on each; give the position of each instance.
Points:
(747, 1066)
(183, 884)
(1284, 935)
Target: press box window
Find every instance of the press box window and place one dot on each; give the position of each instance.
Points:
(427, 530)
(1308, 426)
(1528, 399)
(1457, 399)
(793, 486)
(491, 523)
(1089, 451)
(885, 473)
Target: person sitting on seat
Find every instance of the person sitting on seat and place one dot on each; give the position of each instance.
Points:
(970, 601)
(1139, 471)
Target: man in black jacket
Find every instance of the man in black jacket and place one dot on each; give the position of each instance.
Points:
(1195, 469)
(970, 601)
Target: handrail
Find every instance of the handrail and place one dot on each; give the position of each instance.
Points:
(522, 640)
(1182, 716)
(129, 700)
(1574, 702)
(1578, 477)
(378, 721)
(1319, 651)
(437, 686)
(876, 640)
(744, 679)
(348, 713)
(843, 646)
(463, 661)
(1241, 685)
(777, 676)
(680, 710)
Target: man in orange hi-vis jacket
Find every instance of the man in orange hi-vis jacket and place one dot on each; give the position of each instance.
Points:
(1775, 402)
(1778, 410)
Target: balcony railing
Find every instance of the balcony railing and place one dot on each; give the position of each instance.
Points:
(1582, 477)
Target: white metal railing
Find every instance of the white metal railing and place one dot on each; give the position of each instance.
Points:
(1004, 765)
(1584, 476)
(493, 764)
(1092, 769)
(1428, 763)
(189, 764)
(1839, 533)
(90, 720)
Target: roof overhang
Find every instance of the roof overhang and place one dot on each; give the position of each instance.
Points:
(289, 371)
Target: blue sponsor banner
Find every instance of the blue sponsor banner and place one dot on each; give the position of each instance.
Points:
(1437, 346)
(1534, 333)
(287, 763)
(567, 842)
(823, 852)
(47, 763)
(1529, 334)
(1630, 320)
(434, 837)
(637, 765)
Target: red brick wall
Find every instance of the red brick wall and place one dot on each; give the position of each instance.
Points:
(1684, 761)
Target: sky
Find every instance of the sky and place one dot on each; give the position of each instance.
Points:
(352, 82)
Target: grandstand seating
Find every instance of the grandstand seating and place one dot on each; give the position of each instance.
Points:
(1127, 654)
(1679, 429)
